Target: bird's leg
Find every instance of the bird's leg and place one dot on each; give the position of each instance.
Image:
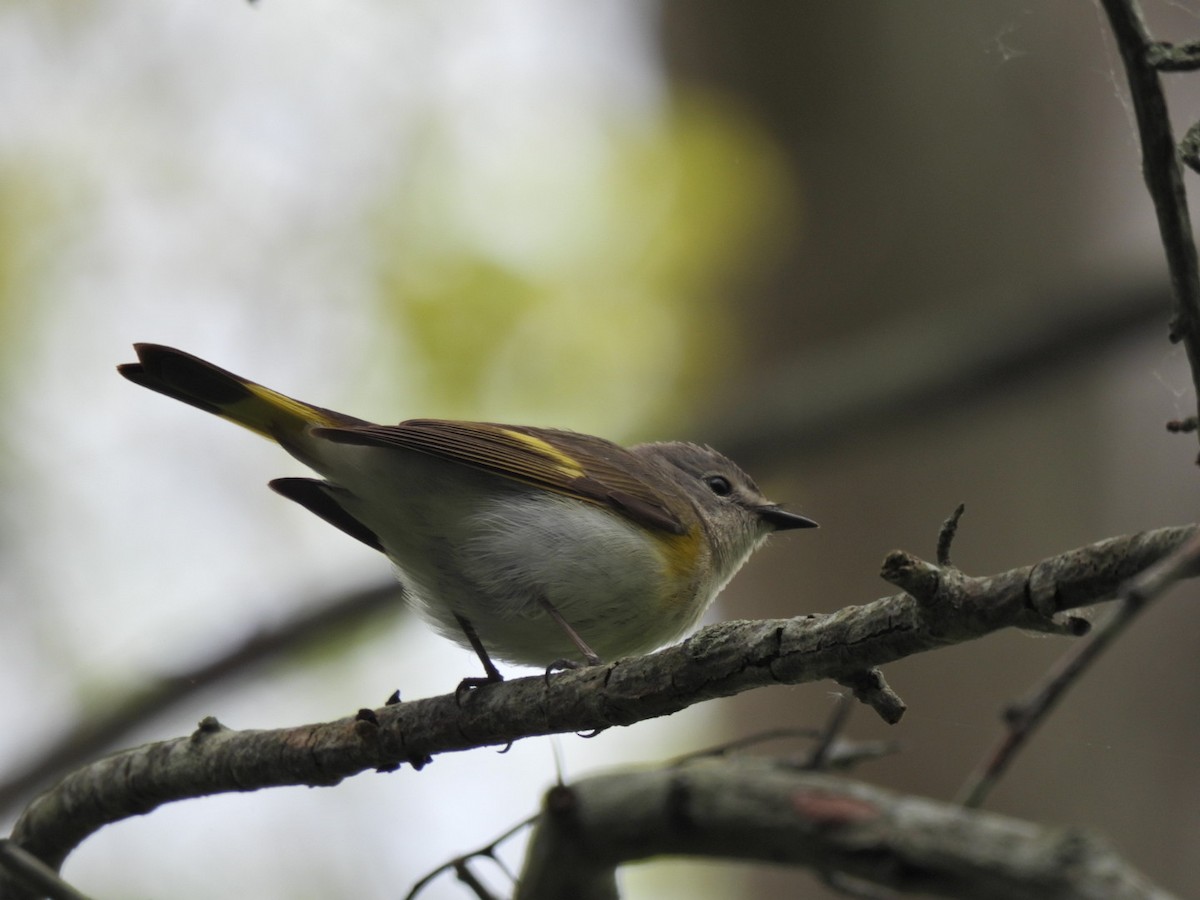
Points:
(493, 674)
(589, 655)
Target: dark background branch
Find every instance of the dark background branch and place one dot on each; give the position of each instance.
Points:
(923, 365)
(755, 809)
(106, 725)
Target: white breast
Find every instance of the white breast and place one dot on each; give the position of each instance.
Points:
(469, 544)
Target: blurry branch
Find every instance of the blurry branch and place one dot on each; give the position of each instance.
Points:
(1160, 166)
(104, 726)
(461, 865)
(829, 751)
(756, 809)
(33, 874)
(935, 363)
(943, 607)
(1174, 58)
(1135, 595)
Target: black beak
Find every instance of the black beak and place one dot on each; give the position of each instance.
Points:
(781, 520)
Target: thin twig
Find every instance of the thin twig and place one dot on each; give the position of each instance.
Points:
(833, 728)
(946, 536)
(1183, 425)
(834, 754)
(459, 864)
(1160, 169)
(31, 872)
(1173, 57)
(753, 740)
(1025, 717)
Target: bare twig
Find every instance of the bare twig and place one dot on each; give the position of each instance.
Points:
(30, 872)
(836, 753)
(1024, 718)
(749, 808)
(1173, 57)
(459, 865)
(1160, 168)
(753, 740)
(1189, 148)
(819, 759)
(946, 536)
(719, 660)
(871, 689)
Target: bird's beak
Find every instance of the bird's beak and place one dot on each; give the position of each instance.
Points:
(781, 520)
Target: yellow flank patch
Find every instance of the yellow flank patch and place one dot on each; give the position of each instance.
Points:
(269, 413)
(682, 554)
(565, 464)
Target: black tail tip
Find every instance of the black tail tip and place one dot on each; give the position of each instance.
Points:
(184, 377)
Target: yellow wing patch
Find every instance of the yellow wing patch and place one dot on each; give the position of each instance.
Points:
(566, 465)
(588, 468)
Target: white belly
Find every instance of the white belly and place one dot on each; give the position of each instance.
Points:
(487, 549)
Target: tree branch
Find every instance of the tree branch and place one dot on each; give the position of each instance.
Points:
(750, 808)
(1166, 57)
(1024, 718)
(944, 607)
(1160, 169)
(994, 354)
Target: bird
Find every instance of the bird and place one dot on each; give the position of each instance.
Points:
(535, 546)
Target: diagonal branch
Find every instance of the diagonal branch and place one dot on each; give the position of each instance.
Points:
(1024, 718)
(29, 871)
(944, 608)
(1160, 168)
(935, 364)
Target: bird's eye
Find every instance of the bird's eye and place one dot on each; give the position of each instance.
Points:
(719, 485)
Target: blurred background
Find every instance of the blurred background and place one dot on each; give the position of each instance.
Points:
(890, 257)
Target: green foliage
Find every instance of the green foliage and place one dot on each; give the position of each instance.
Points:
(28, 212)
(581, 281)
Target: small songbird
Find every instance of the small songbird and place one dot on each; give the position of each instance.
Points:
(532, 545)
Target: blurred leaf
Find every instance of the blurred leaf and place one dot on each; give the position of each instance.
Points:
(28, 212)
(585, 284)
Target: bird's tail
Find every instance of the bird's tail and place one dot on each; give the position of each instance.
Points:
(215, 390)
